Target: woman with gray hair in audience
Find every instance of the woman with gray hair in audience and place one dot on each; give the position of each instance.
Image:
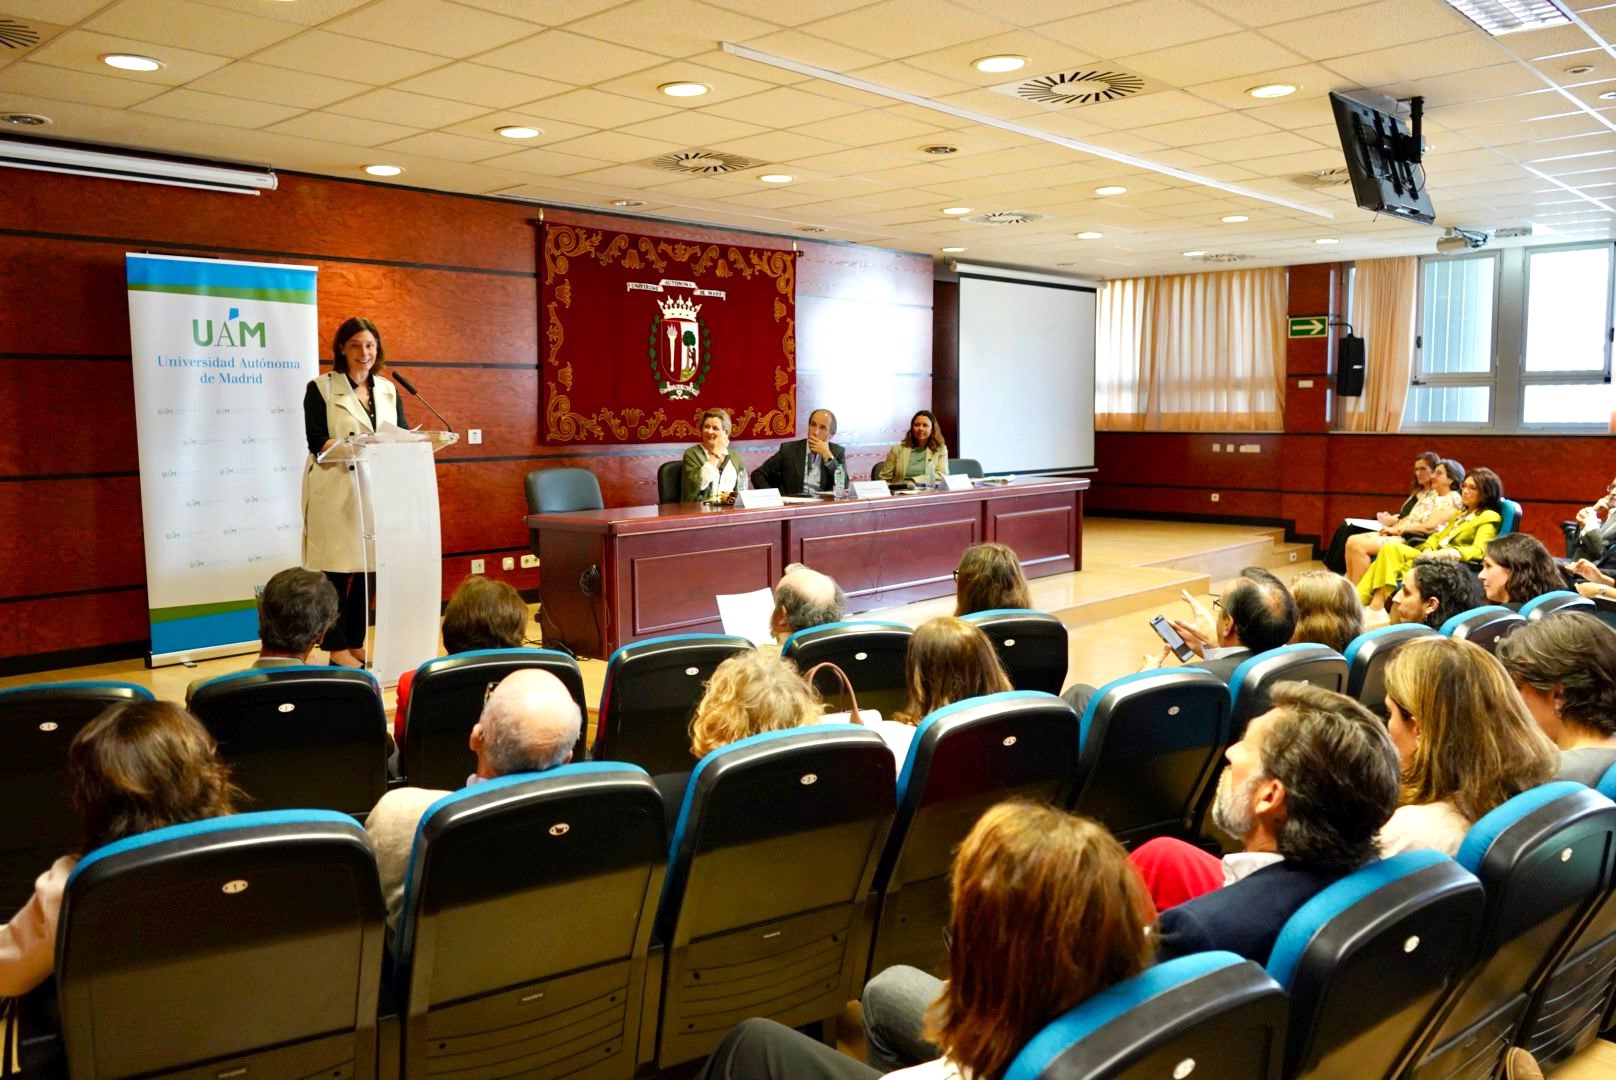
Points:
(1565, 669)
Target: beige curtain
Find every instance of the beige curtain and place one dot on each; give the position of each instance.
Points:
(1383, 295)
(1192, 352)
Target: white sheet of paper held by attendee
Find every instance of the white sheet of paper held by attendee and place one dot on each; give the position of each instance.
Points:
(747, 615)
(1365, 523)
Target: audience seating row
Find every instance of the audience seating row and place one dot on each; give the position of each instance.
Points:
(546, 931)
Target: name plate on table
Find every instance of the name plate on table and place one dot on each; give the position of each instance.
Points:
(871, 489)
(759, 498)
(957, 482)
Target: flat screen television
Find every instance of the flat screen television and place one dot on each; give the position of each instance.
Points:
(1383, 160)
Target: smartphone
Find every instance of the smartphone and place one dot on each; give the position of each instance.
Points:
(1165, 631)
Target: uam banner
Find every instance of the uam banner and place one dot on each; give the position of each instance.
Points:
(222, 354)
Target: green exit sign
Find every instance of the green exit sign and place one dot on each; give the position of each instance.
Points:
(1309, 326)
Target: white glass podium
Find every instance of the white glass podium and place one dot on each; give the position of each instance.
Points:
(396, 489)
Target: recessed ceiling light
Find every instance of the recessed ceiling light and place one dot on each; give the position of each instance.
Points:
(956, 211)
(1272, 90)
(1327, 240)
(952, 250)
(628, 202)
(1579, 69)
(517, 131)
(684, 89)
(24, 119)
(939, 150)
(1001, 63)
(131, 62)
(1193, 254)
(384, 170)
(1111, 189)
(1499, 18)
(777, 178)
(1089, 235)
(1234, 219)
(1608, 95)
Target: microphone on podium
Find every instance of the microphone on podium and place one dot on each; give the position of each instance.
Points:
(399, 377)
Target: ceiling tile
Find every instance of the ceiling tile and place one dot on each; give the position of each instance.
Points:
(416, 110)
(806, 48)
(1373, 26)
(303, 13)
(353, 58)
(1136, 27)
(216, 109)
(1158, 108)
(545, 161)
(281, 86)
(349, 130)
(60, 12)
(549, 12)
(597, 109)
(569, 58)
(1205, 129)
(441, 144)
(486, 129)
(802, 11)
(81, 50)
(1212, 59)
(898, 28)
(433, 26)
(615, 146)
(781, 107)
(83, 87)
(191, 26)
(1261, 146)
(900, 75)
(693, 129)
(866, 128)
(1418, 60)
(644, 84)
(671, 27)
(479, 84)
(779, 146)
(1043, 52)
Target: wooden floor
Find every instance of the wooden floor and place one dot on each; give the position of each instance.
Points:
(1132, 571)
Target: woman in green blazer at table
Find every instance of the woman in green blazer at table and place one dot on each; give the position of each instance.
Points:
(921, 456)
(713, 472)
(1465, 537)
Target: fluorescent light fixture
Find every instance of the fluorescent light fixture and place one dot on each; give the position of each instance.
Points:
(957, 211)
(1023, 130)
(518, 131)
(777, 178)
(684, 89)
(1272, 90)
(1500, 17)
(239, 180)
(1001, 63)
(1234, 219)
(1111, 189)
(1193, 254)
(384, 170)
(131, 62)
(1089, 235)
(952, 250)
(1327, 240)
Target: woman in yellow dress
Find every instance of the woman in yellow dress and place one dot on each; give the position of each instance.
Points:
(1465, 537)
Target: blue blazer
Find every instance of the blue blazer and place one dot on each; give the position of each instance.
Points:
(1245, 917)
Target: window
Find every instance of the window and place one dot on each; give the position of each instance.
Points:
(1514, 339)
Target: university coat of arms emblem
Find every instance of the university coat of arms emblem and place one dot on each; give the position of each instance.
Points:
(680, 348)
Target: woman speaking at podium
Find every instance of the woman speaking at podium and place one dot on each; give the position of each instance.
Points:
(347, 400)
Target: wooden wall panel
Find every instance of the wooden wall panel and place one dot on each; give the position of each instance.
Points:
(452, 281)
(66, 624)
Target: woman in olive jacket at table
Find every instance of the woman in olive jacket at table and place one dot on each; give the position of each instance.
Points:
(712, 471)
(922, 455)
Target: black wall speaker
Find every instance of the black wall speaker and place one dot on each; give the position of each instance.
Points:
(1349, 366)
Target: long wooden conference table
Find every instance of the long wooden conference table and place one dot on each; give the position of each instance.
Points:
(616, 576)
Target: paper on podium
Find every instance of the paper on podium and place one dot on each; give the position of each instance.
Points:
(747, 615)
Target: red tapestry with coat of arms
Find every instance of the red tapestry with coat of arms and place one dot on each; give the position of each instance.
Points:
(643, 333)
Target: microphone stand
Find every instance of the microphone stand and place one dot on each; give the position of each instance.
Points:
(399, 378)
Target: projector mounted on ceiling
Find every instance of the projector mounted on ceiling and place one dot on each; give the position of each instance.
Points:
(1455, 239)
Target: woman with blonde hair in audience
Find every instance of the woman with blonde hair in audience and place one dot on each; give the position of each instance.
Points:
(751, 692)
(1465, 740)
(483, 613)
(1465, 537)
(988, 578)
(1518, 568)
(1427, 510)
(136, 767)
(1046, 913)
(1327, 609)
(1564, 667)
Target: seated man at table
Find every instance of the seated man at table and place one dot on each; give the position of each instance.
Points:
(528, 724)
(805, 598)
(806, 466)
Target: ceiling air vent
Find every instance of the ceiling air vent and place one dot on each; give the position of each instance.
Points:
(1080, 86)
(1222, 258)
(1006, 217)
(1322, 178)
(16, 35)
(702, 162)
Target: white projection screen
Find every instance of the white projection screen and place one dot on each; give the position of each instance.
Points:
(1026, 374)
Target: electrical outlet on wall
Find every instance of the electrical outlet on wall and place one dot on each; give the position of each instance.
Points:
(529, 562)
(1215, 496)
(477, 566)
(508, 563)
(474, 437)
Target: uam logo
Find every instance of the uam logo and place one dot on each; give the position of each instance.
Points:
(680, 348)
(206, 332)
